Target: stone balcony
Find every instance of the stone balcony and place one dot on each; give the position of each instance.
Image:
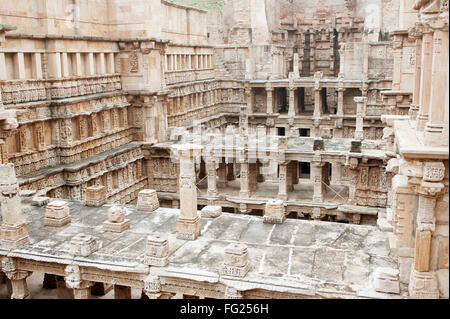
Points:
(33, 90)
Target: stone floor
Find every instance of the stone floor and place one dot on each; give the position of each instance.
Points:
(303, 257)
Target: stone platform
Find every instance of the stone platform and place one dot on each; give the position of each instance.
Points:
(299, 258)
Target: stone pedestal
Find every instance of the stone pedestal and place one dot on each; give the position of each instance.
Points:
(57, 214)
(116, 220)
(96, 195)
(13, 236)
(211, 211)
(236, 261)
(188, 223)
(83, 245)
(274, 212)
(147, 200)
(387, 280)
(156, 251)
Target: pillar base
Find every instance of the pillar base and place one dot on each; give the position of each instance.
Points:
(156, 261)
(274, 220)
(54, 222)
(13, 236)
(188, 229)
(116, 227)
(435, 135)
(423, 285)
(226, 270)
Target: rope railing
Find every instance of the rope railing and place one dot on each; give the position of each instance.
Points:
(337, 194)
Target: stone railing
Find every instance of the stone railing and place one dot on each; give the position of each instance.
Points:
(175, 77)
(23, 91)
(70, 87)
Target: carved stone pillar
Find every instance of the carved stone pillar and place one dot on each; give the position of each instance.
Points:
(317, 177)
(269, 91)
(212, 177)
(291, 111)
(340, 105)
(436, 130)
(425, 80)
(245, 183)
(81, 288)
(317, 103)
(188, 224)
(19, 284)
(360, 113)
(423, 282)
(13, 230)
(416, 92)
(282, 182)
(152, 287)
(296, 66)
(353, 172)
(250, 99)
(17, 278)
(83, 291)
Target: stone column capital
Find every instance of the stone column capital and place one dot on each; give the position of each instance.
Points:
(427, 189)
(18, 274)
(360, 99)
